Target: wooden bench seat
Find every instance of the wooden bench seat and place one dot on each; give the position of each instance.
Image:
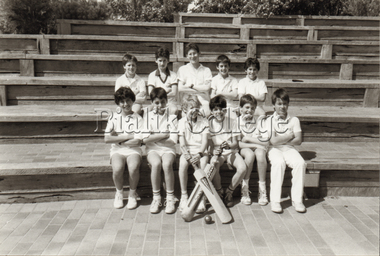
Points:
(332, 170)
(59, 90)
(89, 121)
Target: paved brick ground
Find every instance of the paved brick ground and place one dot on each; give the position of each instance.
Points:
(331, 226)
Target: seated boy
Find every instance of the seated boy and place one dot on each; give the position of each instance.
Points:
(223, 136)
(194, 78)
(124, 131)
(285, 134)
(132, 80)
(252, 145)
(253, 85)
(225, 84)
(160, 137)
(193, 139)
(165, 78)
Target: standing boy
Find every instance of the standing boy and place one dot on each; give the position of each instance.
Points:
(194, 78)
(164, 78)
(124, 131)
(251, 84)
(223, 83)
(224, 136)
(285, 134)
(132, 80)
(160, 137)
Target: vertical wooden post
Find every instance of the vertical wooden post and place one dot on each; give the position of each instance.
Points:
(244, 33)
(268, 101)
(264, 70)
(44, 46)
(251, 50)
(180, 31)
(326, 52)
(236, 20)
(3, 95)
(26, 67)
(371, 98)
(346, 71)
(300, 21)
(312, 35)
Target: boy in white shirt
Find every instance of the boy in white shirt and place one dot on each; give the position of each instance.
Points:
(124, 131)
(194, 78)
(223, 135)
(164, 78)
(160, 137)
(251, 84)
(132, 80)
(253, 143)
(285, 134)
(225, 84)
(193, 139)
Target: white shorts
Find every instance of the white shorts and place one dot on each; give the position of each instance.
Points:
(125, 151)
(161, 152)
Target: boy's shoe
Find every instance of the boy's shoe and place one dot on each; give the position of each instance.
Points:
(299, 207)
(155, 205)
(201, 206)
(276, 207)
(245, 198)
(229, 199)
(263, 199)
(118, 202)
(132, 201)
(170, 205)
(183, 202)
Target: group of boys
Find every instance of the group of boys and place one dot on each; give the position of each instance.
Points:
(223, 124)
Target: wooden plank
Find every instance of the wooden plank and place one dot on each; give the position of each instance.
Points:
(346, 71)
(236, 20)
(303, 71)
(366, 71)
(326, 52)
(311, 35)
(371, 98)
(251, 50)
(3, 95)
(26, 67)
(9, 66)
(20, 45)
(244, 33)
(280, 50)
(348, 34)
(285, 34)
(264, 70)
(64, 28)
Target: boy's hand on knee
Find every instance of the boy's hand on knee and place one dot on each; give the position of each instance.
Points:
(187, 157)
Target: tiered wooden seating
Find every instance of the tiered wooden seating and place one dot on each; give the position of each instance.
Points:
(290, 20)
(56, 82)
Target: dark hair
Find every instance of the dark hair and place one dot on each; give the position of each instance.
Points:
(247, 98)
(252, 62)
(124, 93)
(128, 58)
(223, 59)
(159, 93)
(162, 52)
(218, 101)
(280, 93)
(191, 46)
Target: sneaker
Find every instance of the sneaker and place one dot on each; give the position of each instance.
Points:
(229, 200)
(155, 205)
(183, 202)
(132, 202)
(118, 203)
(245, 198)
(201, 206)
(299, 207)
(263, 199)
(276, 207)
(170, 205)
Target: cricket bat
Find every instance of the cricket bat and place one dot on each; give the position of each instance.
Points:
(196, 196)
(212, 196)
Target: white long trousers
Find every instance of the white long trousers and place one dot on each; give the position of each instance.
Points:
(279, 159)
